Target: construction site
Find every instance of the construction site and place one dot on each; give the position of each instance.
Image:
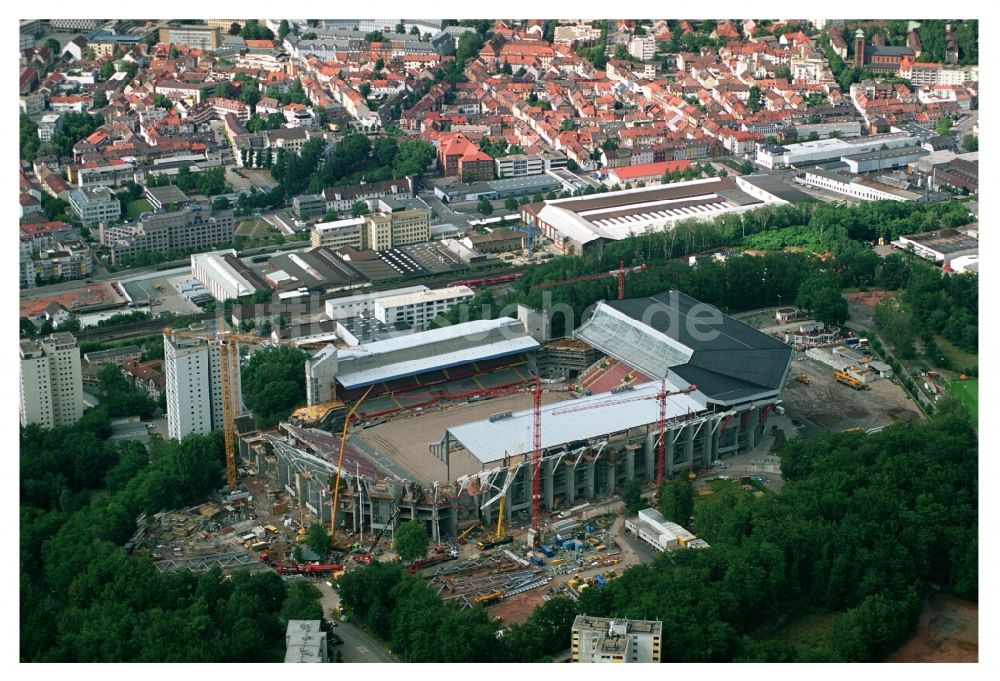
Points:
(816, 394)
(493, 441)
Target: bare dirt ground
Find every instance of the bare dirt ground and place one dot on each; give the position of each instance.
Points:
(948, 632)
(831, 405)
(406, 440)
(88, 294)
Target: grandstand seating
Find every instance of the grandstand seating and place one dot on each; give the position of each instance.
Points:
(617, 374)
(409, 393)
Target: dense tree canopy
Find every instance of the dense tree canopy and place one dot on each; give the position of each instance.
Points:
(410, 540)
(84, 600)
(864, 525)
(273, 382)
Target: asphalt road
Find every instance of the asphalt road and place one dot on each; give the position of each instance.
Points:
(358, 646)
(445, 213)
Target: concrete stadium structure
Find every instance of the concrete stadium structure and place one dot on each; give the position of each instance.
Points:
(591, 445)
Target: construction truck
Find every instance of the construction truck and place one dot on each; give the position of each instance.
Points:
(850, 381)
(803, 379)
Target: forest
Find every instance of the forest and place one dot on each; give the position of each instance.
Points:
(932, 305)
(866, 527)
(84, 600)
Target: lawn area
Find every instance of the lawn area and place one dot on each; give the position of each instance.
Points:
(255, 229)
(958, 358)
(133, 209)
(968, 392)
(721, 489)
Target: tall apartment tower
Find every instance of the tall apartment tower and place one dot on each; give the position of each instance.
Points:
(602, 640)
(51, 386)
(194, 384)
(859, 49)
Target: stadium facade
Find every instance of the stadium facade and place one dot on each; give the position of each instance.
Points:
(591, 445)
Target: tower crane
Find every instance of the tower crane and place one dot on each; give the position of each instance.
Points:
(340, 467)
(228, 343)
(619, 274)
(661, 396)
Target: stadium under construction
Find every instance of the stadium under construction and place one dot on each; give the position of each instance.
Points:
(633, 368)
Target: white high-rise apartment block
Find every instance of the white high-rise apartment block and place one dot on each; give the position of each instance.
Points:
(194, 385)
(599, 639)
(51, 386)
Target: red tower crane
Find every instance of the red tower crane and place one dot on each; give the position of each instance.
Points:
(536, 391)
(619, 273)
(661, 395)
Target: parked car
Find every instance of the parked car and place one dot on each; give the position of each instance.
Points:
(334, 640)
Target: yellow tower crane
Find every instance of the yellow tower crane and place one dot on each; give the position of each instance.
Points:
(228, 343)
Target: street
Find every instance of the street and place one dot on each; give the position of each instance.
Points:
(358, 646)
(445, 213)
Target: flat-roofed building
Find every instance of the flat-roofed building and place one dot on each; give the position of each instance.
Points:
(519, 165)
(364, 303)
(582, 223)
(94, 205)
(941, 246)
(305, 641)
(604, 640)
(225, 275)
(417, 309)
(862, 188)
(202, 36)
(661, 534)
(117, 356)
(400, 228)
(194, 383)
(821, 151)
(348, 232)
(51, 383)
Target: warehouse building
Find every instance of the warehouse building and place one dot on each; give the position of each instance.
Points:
(583, 223)
(883, 159)
(821, 151)
(862, 188)
(224, 275)
(942, 246)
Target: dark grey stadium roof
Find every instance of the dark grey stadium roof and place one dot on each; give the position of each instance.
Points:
(729, 363)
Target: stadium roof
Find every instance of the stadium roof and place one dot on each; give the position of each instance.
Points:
(490, 441)
(417, 353)
(671, 335)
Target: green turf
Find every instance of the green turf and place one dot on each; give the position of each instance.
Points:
(133, 209)
(255, 229)
(968, 392)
